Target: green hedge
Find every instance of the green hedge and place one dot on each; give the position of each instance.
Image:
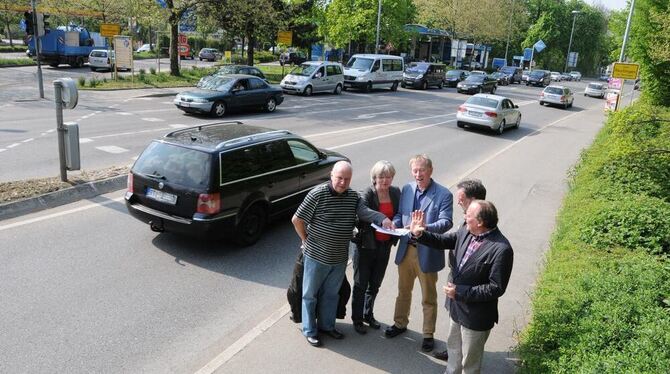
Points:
(602, 304)
(16, 48)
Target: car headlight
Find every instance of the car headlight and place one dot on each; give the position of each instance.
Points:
(460, 84)
(419, 76)
(200, 100)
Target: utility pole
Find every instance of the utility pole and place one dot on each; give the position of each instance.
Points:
(625, 35)
(509, 31)
(38, 47)
(379, 16)
(574, 18)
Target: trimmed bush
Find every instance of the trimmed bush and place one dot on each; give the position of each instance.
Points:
(81, 81)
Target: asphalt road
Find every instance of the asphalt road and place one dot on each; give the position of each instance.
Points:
(86, 288)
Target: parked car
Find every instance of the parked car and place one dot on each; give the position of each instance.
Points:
(102, 59)
(217, 94)
(423, 75)
(490, 111)
(452, 77)
(478, 72)
(557, 95)
(145, 48)
(604, 77)
(576, 76)
(555, 76)
(224, 178)
(241, 69)
(210, 54)
(501, 78)
(314, 76)
(539, 78)
(367, 71)
(477, 83)
(524, 76)
(514, 73)
(566, 76)
(595, 90)
(292, 58)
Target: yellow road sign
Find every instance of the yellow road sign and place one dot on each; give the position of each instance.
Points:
(625, 71)
(285, 37)
(110, 29)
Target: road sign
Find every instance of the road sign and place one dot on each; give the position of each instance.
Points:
(527, 54)
(572, 59)
(183, 39)
(285, 37)
(110, 29)
(625, 71)
(539, 46)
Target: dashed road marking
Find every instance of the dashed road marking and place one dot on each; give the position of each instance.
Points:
(2, 149)
(167, 102)
(85, 140)
(27, 140)
(373, 115)
(179, 126)
(112, 149)
(13, 145)
(152, 119)
(52, 130)
(124, 113)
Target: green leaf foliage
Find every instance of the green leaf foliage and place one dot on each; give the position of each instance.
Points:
(602, 304)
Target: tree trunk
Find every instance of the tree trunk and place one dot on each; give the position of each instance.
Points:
(174, 39)
(250, 50)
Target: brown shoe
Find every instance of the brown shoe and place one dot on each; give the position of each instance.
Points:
(443, 355)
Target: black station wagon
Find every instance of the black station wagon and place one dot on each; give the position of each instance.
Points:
(224, 178)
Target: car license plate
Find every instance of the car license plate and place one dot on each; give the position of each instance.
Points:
(184, 104)
(474, 114)
(163, 197)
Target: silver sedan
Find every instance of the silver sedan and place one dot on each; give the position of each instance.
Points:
(490, 111)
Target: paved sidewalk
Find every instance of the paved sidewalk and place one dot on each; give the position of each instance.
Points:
(528, 192)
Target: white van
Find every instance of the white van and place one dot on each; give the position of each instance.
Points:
(368, 71)
(314, 76)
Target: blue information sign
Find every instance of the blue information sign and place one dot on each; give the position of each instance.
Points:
(527, 53)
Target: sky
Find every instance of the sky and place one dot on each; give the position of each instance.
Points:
(609, 4)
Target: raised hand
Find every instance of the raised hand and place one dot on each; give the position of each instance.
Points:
(416, 227)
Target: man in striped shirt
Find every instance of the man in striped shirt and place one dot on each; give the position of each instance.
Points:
(324, 222)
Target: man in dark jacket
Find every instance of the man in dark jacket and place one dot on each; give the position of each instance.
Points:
(481, 264)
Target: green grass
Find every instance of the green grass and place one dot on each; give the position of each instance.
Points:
(602, 304)
(15, 48)
(5, 62)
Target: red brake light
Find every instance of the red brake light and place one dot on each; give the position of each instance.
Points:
(562, 98)
(209, 203)
(491, 114)
(130, 183)
(461, 108)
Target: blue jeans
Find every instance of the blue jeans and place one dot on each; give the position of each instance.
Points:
(320, 289)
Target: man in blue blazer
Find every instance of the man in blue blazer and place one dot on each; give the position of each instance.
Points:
(418, 260)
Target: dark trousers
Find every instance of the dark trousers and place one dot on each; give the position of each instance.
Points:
(369, 269)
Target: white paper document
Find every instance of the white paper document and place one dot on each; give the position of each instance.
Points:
(396, 232)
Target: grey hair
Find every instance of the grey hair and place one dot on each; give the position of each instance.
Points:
(381, 167)
(422, 158)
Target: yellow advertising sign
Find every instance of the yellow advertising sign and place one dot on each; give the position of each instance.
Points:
(110, 29)
(625, 71)
(228, 55)
(285, 37)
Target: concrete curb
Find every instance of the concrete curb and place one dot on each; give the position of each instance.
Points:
(61, 197)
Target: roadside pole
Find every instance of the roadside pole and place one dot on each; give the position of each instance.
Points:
(66, 96)
(38, 47)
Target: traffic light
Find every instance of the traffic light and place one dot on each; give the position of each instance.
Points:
(41, 23)
(28, 17)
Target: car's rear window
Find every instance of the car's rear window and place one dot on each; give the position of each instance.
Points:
(174, 164)
(98, 53)
(453, 73)
(554, 90)
(483, 101)
(596, 86)
(475, 78)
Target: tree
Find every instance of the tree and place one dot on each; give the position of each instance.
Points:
(253, 19)
(356, 20)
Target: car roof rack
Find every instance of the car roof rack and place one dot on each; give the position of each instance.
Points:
(254, 137)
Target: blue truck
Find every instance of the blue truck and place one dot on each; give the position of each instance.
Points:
(66, 45)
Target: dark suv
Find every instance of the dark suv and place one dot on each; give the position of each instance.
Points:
(292, 58)
(224, 178)
(540, 78)
(423, 74)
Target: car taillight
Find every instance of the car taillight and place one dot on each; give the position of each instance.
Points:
(491, 114)
(461, 108)
(130, 183)
(541, 94)
(562, 98)
(209, 203)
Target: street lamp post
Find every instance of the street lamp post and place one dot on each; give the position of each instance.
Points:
(574, 18)
(509, 31)
(379, 16)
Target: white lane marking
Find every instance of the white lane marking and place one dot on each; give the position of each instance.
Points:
(43, 134)
(167, 102)
(243, 341)
(85, 140)
(12, 145)
(391, 134)
(27, 140)
(373, 115)
(178, 126)
(52, 130)
(152, 119)
(2, 149)
(112, 149)
(124, 113)
(373, 126)
(354, 108)
(130, 133)
(144, 98)
(59, 214)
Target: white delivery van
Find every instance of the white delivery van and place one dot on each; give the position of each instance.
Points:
(314, 76)
(368, 71)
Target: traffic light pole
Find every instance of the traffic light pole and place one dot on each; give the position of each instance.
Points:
(38, 47)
